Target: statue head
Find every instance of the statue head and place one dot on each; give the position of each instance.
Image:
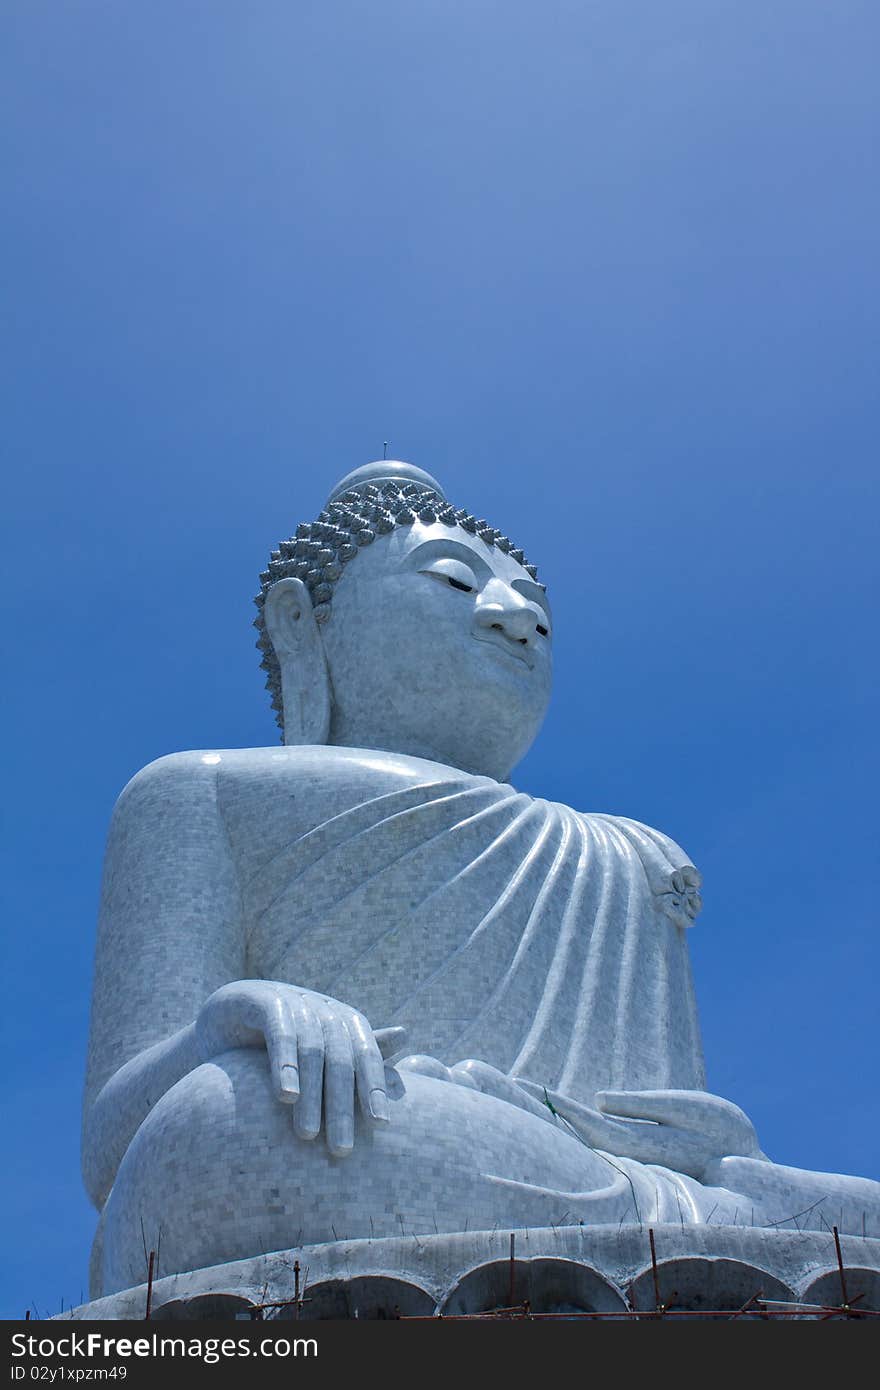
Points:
(396, 621)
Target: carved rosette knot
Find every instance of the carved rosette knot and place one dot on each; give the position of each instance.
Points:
(681, 901)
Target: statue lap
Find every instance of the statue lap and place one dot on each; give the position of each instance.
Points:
(217, 1168)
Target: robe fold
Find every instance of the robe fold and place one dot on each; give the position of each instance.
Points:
(546, 942)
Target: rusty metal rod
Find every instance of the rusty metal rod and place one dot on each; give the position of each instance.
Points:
(840, 1266)
(807, 1311)
(658, 1306)
(748, 1303)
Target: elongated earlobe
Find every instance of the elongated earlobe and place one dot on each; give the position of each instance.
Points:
(305, 683)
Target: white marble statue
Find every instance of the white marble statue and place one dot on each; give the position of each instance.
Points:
(279, 926)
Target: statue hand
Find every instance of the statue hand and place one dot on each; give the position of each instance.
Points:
(682, 1130)
(319, 1050)
(475, 1075)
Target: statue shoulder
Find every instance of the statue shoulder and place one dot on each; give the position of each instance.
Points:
(197, 773)
(169, 805)
(196, 781)
(177, 776)
(674, 880)
(257, 799)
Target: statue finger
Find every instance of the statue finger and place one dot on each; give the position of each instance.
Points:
(310, 1055)
(389, 1041)
(369, 1070)
(462, 1074)
(338, 1086)
(280, 1033)
(644, 1141)
(423, 1065)
(595, 1129)
(539, 1092)
(492, 1082)
(666, 1147)
(682, 1108)
(726, 1127)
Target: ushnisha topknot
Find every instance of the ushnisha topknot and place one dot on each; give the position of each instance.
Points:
(319, 551)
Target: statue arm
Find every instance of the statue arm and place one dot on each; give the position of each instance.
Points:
(171, 991)
(170, 933)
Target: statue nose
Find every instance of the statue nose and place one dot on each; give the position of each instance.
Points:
(502, 609)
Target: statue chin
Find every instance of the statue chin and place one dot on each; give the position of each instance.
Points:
(281, 926)
(483, 722)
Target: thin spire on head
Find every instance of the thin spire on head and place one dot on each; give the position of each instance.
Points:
(385, 471)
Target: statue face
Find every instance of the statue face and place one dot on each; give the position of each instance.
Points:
(439, 646)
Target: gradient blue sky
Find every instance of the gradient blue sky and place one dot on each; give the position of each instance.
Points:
(610, 271)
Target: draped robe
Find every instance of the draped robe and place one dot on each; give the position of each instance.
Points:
(491, 925)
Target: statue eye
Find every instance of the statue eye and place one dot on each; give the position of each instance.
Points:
(455, 573)
(543, 630)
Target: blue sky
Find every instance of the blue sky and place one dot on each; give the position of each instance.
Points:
(609, 271)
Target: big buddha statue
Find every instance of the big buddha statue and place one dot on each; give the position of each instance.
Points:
(357, 981)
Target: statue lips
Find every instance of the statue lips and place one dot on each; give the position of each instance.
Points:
(509, 646)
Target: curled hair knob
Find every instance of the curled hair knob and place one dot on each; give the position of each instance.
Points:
(373, 475)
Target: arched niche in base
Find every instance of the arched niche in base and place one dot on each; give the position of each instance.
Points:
(547, 1284)
(862, 1289)
(366, 1296)
(697, 1284)
(214, 1307)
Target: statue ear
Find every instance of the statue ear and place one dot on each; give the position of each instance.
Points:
(305, 681)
